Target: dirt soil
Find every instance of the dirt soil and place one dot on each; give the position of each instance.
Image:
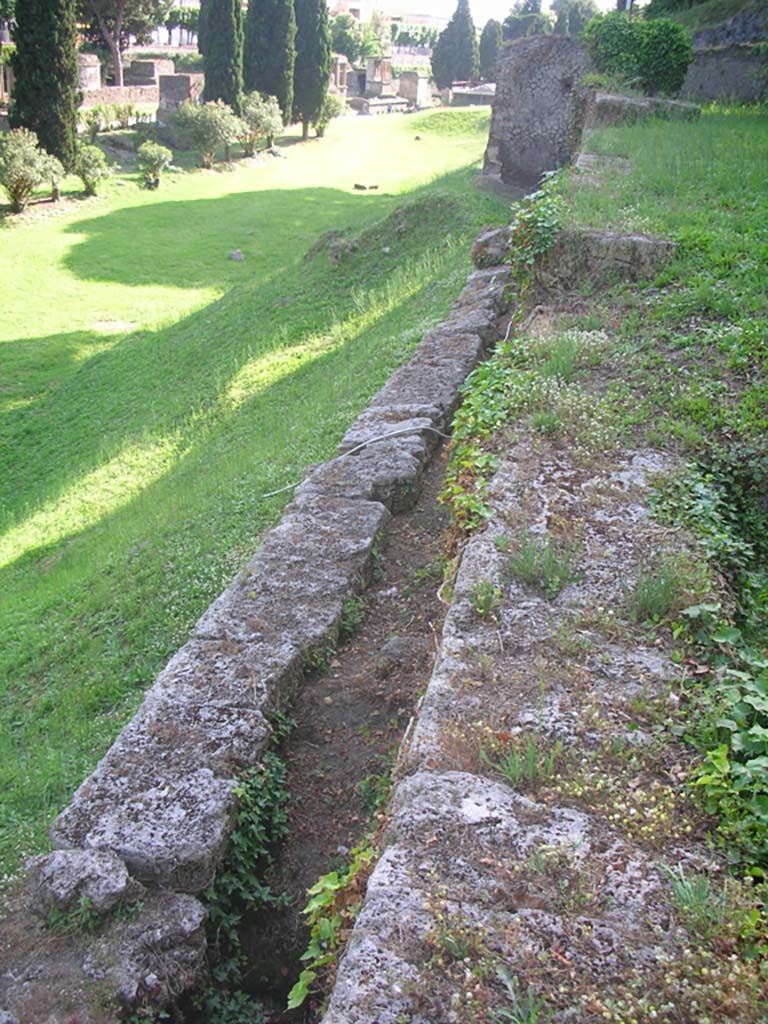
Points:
(349, 724)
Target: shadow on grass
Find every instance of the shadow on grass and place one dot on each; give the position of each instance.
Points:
(185, 243)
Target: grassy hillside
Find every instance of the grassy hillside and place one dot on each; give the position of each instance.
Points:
(712, 12)
(152, 390)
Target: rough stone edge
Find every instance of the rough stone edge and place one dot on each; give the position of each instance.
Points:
(374, 477)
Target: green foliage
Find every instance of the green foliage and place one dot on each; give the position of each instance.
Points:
(94, 120)
(333, 106)
(612, 41)
(269, 54)
(490, 44)
(533, 231)
(352, 615)
(526, 19)
(45, 90)
(24, 166)
(655, 54)
(455, 57)
(151, 160)
(333, 904)
(524, 1007)
(573, 15)
(242, 886)
(223, 55)
(657, 591)
(543, 565)
(6, 52)
(313, 61)
(347, 37)
(523, 762)
(90, 167)
(485, 598)
(261, 119)
(80, 917)
(209, 127)
(116, 22)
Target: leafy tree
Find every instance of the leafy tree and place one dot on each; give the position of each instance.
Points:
(115, 21)
(209, 127)
(347, 37)
(526, 19)
(573, 15)
(223, 55)
(270, 51)
(45, 91)
(24, 166)
(262, 119)
(456, 56)
(313, 61)
(490, 44)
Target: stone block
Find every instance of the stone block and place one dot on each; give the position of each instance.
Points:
(63, 879)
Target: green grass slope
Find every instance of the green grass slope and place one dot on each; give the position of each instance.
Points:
(152, 391)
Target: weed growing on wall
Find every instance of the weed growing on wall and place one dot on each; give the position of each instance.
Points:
(242, 886)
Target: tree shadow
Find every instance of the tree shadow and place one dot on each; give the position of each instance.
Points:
(185, 243)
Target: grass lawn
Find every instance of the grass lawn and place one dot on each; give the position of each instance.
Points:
(152, 390)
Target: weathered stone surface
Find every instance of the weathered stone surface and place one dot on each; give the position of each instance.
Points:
(601, 257)
(399, 652)
(293, 588)
(389, 472)
(62, 879)
(732, 72)
(606, 108)
(153, 959)
(538, 110)
(147, 959)
(491, 247)
(459, 845)
(168, 830)
(387, 422)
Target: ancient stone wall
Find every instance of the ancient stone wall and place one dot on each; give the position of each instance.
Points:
(111, 94)
(538, 109)
(738, 71)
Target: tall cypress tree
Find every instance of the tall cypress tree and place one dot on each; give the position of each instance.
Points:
(45, 88)
(223, 53)
(269, 54)
(466, 54)
(490, 44)
(313, 60)
(455, 57)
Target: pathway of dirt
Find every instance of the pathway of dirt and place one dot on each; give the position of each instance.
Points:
(349, 724)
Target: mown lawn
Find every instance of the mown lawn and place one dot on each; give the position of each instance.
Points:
(152, 391)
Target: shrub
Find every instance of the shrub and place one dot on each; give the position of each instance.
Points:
(261, 119)
(664, 54)
(332, 107)
(24, 166)
(209, 127)
(94, 121)
(125, 114)
(655, 53)
(152, 159)
(90, 167)
(612, 41)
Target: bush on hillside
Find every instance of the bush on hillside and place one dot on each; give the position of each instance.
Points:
(90, 167)
(654, 54)
(664, 54)
(24, 166)
(209, 127)
(152, 159)
(332, 106)
(262, 119)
